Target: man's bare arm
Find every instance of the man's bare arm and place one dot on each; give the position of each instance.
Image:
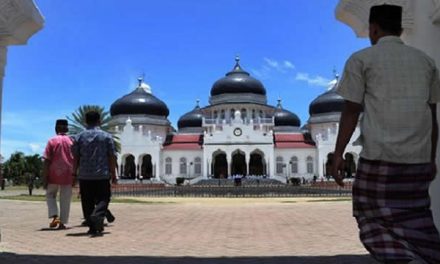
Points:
(347, 125)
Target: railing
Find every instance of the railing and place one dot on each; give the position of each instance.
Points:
(313, 190)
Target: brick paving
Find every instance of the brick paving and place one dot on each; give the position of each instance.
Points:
(199, 231)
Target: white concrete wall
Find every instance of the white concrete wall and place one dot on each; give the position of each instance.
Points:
(325, 135)
(302, 155)
(425, 35)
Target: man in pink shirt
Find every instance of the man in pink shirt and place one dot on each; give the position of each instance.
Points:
(58, 174)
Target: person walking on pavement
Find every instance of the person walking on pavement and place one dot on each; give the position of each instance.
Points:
(397, 87)
(58, 174)
(95, 160)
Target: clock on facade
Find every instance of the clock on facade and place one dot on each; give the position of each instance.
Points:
(237, 132)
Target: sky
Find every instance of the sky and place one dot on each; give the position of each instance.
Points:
(92, 52)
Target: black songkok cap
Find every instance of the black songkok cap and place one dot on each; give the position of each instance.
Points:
(390, 15)
(61, 122)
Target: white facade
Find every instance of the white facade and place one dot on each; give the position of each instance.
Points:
(233, 139)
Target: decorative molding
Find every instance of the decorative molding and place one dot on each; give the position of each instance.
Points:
(436, 13)
(355, 13)
(3, 52)
(19, 20)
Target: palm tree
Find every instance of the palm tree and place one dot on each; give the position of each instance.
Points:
(78, 121)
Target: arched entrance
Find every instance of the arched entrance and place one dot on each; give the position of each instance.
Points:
(220, 166)
(129, 167)
(147, 167)
(349, 165)
(238, 166)
(256, 164)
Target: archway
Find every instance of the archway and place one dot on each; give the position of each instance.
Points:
(129, 167)
(256, 164)
(220, 166)
(238, 166)
(349, 165)
(147, 167)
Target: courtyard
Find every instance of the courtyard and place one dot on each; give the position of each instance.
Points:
(188, 230)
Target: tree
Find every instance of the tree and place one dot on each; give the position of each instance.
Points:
(78, 121)
(14, 168)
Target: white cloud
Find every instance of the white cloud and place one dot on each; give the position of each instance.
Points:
(35, 147)
(271, 65)
(287, 64)
(314, 81)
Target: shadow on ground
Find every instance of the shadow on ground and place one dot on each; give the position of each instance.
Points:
(10, 258)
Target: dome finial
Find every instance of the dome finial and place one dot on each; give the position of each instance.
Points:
(237, 63)
(279, 103)
(335, 73)
(197, 103)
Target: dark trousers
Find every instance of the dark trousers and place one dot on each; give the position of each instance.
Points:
(95, 197)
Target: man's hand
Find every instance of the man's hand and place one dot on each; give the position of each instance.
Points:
(337, 166)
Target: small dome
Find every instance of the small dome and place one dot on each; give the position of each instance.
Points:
(327, 102)
(140, 102)
(192, 118)
(238, 81)
(284, 117)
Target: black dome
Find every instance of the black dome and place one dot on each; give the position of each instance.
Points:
(139, 102)
(284, 117)
(237, 81)
(327, 102)
(191, 119)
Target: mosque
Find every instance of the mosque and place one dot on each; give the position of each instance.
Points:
(237, 134)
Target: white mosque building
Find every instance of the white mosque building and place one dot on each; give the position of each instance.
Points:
(238, 133)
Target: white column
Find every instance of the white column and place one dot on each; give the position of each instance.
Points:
(425, 35)
(248, 161)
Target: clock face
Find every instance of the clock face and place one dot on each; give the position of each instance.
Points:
(237, 132)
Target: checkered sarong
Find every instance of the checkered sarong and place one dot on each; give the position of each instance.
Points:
(391, 205)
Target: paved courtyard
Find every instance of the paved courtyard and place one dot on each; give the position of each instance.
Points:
(186, 230)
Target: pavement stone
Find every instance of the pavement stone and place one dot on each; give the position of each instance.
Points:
(198, 230)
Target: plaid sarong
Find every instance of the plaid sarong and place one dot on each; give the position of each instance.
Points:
(391, 205)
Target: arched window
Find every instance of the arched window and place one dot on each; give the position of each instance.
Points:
(232, 113)
(253, 113)
(222, 114)
(168, 166)
(182, 167)
(309, 162)
(243, 114)
(215, 115)
(294, 165)
(279, 165)
(197, 166)
(261, 114)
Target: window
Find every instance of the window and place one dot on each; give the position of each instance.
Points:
(222, 114)
(279, 167)
(243, 114)
(215, 115)
(261, 113)
(309, 161)
(168, 166)
(197, 166)
(232, 113)
(182, 166)
(253, 113)
(294, 164)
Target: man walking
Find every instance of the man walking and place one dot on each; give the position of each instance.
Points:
(95, 161)
(397, 87)
(58, 174)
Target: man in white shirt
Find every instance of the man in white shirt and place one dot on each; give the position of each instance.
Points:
(397, 87)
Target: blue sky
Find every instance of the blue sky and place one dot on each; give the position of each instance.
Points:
(92, 52)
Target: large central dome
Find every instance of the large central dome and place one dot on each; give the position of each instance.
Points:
(237, 81)
(139, 102)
